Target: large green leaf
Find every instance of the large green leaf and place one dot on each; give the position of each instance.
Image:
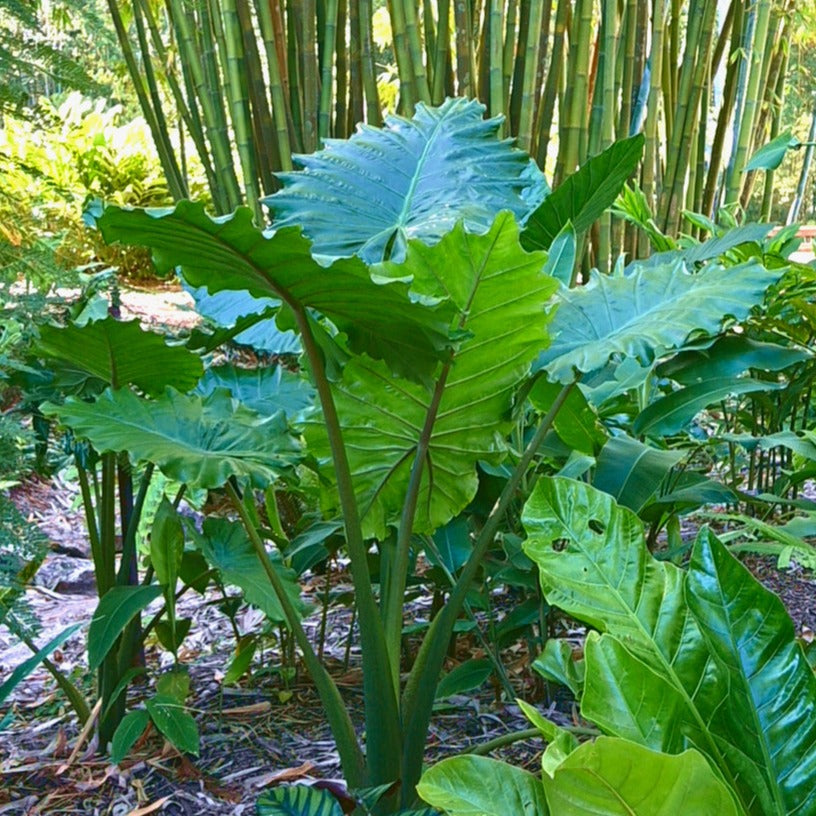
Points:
(115, 610)
(226, 547)
(632, 472)
(264, 390)
(414, 179)
(647, 313)
(653, 676)
(584, 196)
(615, 777)
(730, 356)
(478, 786)
(121, 353)
(672, 413)
(297, 800)
(770, 155)
(131, 727)
(501, 295)
(194, 440)
(230, 253)
(772, 693)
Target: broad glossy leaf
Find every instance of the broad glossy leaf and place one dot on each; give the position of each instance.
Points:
(772, 688)
(615, 777)
(121, 353)
(632, 472)
(501, 297)
(652, 676)
(584, 196)
(647, 313)
(230, 253)
(560, 742)
(115, 610)
(672, 413)
(770, 155)
(453, 544)
(194, 440)
(559, 664)
(465, 677)
(576, 423)
(297, 800)
(561, 255)
(478, 786)
(226, 547)
(172, 719)
(226, 309)
(414, 179)
(128, 731)
(264, 390)
(730, 356)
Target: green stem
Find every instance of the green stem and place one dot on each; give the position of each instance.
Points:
(417, 700)
(348, 747)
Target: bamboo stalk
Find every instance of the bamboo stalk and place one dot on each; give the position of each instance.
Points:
(496, 60)
(441, 52)
(326, 79)
(553, 82)
(407, 93)
(342, 126)
(465, 65)
(528, 92)
(373, 114)
(356, 95)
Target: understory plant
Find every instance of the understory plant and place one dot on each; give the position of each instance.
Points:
(425, 269)
(694, 676)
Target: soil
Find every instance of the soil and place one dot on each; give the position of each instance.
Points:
(270, 729)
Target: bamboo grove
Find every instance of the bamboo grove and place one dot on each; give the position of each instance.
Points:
(254, 82)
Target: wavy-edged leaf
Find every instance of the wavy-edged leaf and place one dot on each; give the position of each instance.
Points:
(121, 353)
(647, 313)
(231, 253)
(194, 440)
(297, 800)
(479, 786)
(263, 390)
(615, 777)
(584, 196)
(501, 296)
(116, 608)
(672, 413)
(227, 309)
(772, 693)
(414, 179)
(227, 547)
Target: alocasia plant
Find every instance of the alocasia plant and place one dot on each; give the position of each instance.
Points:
(418, 343)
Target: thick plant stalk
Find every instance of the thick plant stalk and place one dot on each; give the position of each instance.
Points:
(356, 110)
(326, 80)
(572, 148)
(528, 93)
(752, 97)
(276, 89)
(383, 729)
(309, 72)
(414, 41)
(348, 747)
(509, 54)
(373, 114)
(418, 697)
(408, 93)
(553, 82)
(496, 64)
(465, 59)
(441, 52)
(161, 138)
(239, 104)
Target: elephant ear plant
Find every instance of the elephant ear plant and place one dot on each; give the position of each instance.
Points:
(694, 675)
(419, 343)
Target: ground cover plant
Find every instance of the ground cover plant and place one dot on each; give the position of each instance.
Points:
(447, 367)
